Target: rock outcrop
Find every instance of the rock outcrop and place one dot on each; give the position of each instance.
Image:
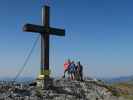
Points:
(62, 89)
(76, 90)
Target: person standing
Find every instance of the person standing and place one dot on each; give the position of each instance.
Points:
(72, 70)
(66, 67)
(79, 71)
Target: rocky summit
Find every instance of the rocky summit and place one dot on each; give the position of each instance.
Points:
(61, 89)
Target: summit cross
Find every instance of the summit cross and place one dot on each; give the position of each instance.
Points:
(45, 31)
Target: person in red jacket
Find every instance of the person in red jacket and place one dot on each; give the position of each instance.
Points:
(66, 67)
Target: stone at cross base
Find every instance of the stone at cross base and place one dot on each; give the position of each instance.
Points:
(45, 31)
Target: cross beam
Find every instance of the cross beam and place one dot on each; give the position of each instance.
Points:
(45, 31)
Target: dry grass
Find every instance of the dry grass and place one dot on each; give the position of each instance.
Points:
(125, 90)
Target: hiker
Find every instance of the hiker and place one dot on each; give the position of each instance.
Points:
(66, 67)
(72, 69)
(79, 71)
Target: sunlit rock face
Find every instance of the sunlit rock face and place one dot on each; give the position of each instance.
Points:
(61, 89)
(75, 90)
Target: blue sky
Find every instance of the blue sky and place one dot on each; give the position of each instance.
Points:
(99, 33)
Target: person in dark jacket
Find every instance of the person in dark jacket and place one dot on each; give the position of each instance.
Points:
(79, 71)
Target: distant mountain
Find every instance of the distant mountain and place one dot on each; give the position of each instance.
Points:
(21, 79)
(119, 79)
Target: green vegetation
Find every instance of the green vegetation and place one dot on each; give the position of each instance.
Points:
(39, 92)
(124, 89)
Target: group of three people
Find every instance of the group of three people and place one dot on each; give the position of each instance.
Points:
(75, 71)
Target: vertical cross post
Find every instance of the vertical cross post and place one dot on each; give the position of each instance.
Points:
(45, 40)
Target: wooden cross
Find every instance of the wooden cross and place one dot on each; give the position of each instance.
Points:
(45, 30)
